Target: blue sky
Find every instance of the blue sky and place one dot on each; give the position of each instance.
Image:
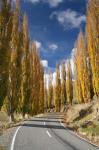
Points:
(54, 25)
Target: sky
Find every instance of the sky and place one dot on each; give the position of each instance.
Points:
(54, 26)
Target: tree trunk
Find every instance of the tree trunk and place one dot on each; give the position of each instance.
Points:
(12, 117)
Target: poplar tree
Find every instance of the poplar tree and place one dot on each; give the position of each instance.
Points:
(41, 94)
(45, 98)
(34, 88)
(19, 58)
(84, 87)
(12, 82)
(82, 67)
(78, 89)
(5, 35)
(25, 86)
(63, 85)
(58, 90)
(92, 33)
(50, 91)
(69, 83)
(36, 80)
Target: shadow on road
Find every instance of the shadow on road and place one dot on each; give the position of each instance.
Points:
(43, 126)
(44, 121)
(50, 117)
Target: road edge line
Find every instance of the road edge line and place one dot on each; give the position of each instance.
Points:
(48, 134)
(15, 133)
(79, 135)
(14, 137)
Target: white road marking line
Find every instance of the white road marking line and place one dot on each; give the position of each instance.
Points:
(44, 124)
(48, 133)
(14, 137)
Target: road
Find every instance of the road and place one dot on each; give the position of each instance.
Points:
(46, 133)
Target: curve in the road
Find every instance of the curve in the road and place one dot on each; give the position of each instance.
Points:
(46, 133)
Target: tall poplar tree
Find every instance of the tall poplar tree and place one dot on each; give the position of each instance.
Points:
(82, 68)
(45, 98)
(5, 36)
(92, 33)
(69, 83)
(36, 81)
(50, 91)
(12, 82)
(63, 85)
(41, 94)
(25, 86)
(57, 91)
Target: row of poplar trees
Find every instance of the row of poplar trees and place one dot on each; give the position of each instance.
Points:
(60, 93)
(82, 85)
(21, 73)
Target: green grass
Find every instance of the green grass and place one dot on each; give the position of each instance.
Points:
(92, 130)
(86, 118)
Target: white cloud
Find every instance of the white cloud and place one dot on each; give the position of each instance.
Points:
(38, 44)
(44, 63)
(33, 1)
(51, 3)
(53, 46)
(69, 18)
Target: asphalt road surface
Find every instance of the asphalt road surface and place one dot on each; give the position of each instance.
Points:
(46, 133)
